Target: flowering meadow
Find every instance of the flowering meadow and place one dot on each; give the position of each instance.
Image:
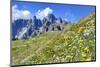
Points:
(75, 43)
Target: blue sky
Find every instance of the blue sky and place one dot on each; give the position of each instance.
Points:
(69, 12)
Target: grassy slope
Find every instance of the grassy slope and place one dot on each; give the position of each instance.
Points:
(75, 43)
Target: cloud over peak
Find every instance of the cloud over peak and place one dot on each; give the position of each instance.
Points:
(26, 14)
(20, 14)
(40, 14)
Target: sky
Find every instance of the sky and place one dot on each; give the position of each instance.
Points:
(69, 12)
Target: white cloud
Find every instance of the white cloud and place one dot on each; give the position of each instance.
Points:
(66, 19)
(40, 14)
(20, 14)
(26, 13)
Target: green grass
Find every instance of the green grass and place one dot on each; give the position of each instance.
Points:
(75, 43)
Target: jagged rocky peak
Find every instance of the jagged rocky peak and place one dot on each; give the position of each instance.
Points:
(51, 18)
(34, 18)
(24, 29)
(59, 20)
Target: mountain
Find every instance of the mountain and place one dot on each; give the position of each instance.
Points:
(23, 29)
(17, 26)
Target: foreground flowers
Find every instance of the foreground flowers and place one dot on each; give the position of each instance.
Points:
(74, 44)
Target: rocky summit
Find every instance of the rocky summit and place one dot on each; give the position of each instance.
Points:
(24, 29)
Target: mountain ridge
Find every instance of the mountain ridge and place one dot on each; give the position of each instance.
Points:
(36, 26)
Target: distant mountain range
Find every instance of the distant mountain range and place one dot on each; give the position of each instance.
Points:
(23, 29)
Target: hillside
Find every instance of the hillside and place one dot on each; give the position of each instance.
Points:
(75, 43)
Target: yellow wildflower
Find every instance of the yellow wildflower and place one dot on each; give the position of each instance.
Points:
(88, 59)
(69, 57)
(80, 45)
(74, 47)
(84, 55)
(87, 50)
(80, 29)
